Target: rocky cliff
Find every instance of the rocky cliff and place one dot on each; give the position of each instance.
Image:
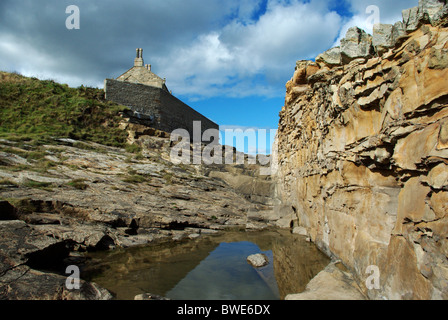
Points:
(363, 153)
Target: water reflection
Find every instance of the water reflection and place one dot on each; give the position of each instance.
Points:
(211, 268)
(225, 275)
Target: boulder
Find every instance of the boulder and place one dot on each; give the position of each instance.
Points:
(258, 260)
(399, 30)
(432, 11)
(383, 35)
(330, 57)
(428, 11)
(411, 19)
(356, 44)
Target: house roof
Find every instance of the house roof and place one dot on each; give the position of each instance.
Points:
(142, 74)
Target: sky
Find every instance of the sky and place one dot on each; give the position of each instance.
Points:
(228, 59)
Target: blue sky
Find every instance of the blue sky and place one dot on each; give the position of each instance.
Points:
(230, 60)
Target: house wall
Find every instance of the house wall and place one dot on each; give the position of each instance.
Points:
(169, 113)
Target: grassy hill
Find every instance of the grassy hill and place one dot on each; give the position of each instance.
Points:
(39, 111)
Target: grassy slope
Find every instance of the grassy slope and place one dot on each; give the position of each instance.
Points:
(39, 111)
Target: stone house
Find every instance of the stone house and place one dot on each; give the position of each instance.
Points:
(147, 95)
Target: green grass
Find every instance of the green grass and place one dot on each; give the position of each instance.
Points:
(133, 148)
(78, 184)
(36, 158)
(7, 182)
(135, 179)
(35, 155)
(38, 185)
(36, 112)
(16, 168)
(167, 176)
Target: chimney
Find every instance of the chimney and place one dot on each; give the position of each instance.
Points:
(148, 66)
(138, 62)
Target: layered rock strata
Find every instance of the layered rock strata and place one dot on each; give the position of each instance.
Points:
(80, 197)
(363, 154)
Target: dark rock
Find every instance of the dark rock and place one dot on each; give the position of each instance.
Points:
(24, 249)
(24, 283)
(8, 211)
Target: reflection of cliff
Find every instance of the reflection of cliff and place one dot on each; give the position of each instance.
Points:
(141, 270)
(363, 153)
(296, 262)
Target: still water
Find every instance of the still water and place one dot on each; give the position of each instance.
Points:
(210, 268)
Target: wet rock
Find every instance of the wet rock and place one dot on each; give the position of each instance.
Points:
(179, 197)
(258, 260)
(194, 236)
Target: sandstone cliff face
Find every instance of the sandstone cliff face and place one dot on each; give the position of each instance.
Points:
(363, 153)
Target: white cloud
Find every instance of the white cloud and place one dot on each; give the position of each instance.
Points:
(204, 48)
(232, 60)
